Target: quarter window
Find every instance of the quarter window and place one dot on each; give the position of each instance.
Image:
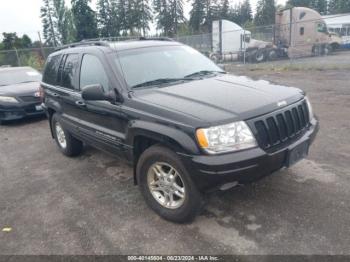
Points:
(50, 74)
(92, 73)
(70, 71)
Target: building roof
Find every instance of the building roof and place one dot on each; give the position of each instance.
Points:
(337, 20)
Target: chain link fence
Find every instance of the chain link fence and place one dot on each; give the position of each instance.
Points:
(280, 43)
(33, 57)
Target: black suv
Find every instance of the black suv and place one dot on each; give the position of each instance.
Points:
(184, 124)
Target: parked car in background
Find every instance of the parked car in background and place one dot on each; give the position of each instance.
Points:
(184, 124)
(19, 93)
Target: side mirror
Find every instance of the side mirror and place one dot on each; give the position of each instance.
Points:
(95, 93)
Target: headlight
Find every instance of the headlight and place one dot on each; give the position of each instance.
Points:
(311, 113)
(226, 138)
(8, 99)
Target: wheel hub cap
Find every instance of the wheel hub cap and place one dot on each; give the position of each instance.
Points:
(166, 185)
(61, 137)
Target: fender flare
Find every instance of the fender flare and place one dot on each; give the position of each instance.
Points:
(162, 133)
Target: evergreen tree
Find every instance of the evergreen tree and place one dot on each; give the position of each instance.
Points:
(104, 18)
(169, 13)
(212, 13)
(245, 11)
(265, 12)
(176, 14)
(48, 17)
(142, 15)
(197, 15)
(224, 9)
(303, 3)
(339, 6)
(122, 15)
(84, 20)
(320, 6)
(68, 32)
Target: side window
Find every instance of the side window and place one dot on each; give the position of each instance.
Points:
(51, 68)
(92, 72)
(70, 70)
(302, 30)
(322, 28)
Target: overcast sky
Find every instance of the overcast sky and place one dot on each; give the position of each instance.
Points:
(23, 16)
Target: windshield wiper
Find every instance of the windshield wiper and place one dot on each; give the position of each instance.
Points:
(204, 73)
(161, 81)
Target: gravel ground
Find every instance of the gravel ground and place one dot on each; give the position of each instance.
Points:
(88, 204)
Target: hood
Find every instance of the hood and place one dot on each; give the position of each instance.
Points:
(20, 89)
(222, 98)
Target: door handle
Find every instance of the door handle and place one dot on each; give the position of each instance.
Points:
(80, 103)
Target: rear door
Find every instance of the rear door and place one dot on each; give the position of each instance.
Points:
(68, 93)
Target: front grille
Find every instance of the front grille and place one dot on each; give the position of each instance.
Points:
(281, 127)
(33, 99)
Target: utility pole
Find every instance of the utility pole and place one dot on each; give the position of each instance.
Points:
(41, 46)
(18, 60)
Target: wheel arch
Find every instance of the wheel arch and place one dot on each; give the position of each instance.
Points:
(143, 135)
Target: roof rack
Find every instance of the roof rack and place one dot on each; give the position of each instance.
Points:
(104, 42)
(143, 38)
(83, 43)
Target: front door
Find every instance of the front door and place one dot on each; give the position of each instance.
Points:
(101, 122)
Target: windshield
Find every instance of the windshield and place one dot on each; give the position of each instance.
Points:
(146, 65)
(16, 76)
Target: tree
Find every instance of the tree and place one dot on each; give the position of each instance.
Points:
(176, 14)
(84, 20)
(320, 6)
(49, 26)
(265, 12)
(197, 15)
(339, 6)
(303, 3)
(245, 11)
(169, 14)
(57, 22)
(104, 18)
(11, 41)
(68, 32)
(26, 42)
(122, 15)
(224, 9)
(142, 15)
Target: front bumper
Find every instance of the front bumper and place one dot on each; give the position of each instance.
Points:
(19, 110)
(211, 171)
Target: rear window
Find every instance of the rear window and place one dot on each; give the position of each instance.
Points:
(51, 68)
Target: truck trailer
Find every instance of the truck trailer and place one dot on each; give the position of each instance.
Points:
(298, 32)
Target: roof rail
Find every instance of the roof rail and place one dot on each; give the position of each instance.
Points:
(83, 43)
(143, 38)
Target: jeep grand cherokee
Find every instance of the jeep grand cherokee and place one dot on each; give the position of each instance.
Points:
(184, 124)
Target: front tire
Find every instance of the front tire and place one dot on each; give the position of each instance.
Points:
(68, 145)
(167, 186)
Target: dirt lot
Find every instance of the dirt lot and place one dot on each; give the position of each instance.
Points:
(88, 205)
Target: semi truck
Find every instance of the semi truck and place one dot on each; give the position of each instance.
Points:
(298, 32)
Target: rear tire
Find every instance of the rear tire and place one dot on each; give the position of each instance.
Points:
(272, 55)
(68, 145)
(158, 170)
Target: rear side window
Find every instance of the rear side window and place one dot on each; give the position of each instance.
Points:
(92, 72)
(70, 71)
(50, 74)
